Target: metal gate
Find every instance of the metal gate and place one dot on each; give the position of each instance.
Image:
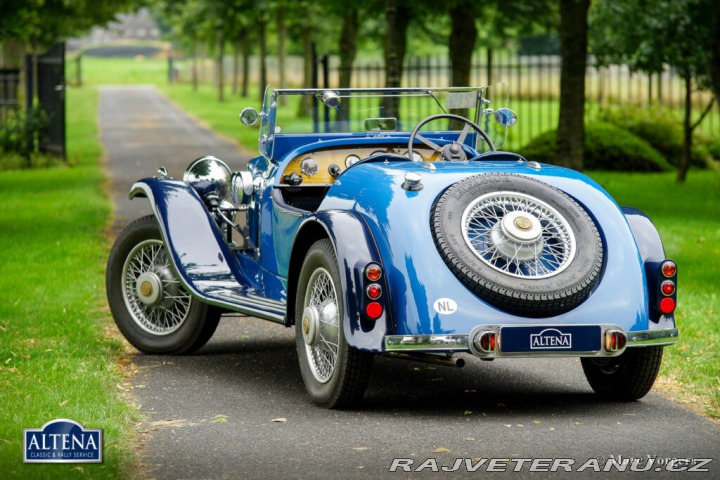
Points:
(51, 96)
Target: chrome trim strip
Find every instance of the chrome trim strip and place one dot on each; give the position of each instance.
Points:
(653, 337)
(426, 342)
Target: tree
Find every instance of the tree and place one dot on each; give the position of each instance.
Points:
(41, 23)
(683, 34)
(215, 23)
(462, 41)
(570, 144)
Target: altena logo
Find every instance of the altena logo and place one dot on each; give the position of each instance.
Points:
(550, 338)
(63, 441)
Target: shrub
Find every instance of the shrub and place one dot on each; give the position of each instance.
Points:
(661, 128)
(607, 147)
(21, 134)
(713, 147)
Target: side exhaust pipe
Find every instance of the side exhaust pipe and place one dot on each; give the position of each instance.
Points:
(429, 358)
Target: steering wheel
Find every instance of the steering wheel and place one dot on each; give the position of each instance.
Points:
(453, 151)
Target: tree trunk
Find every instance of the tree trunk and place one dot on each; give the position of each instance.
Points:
(395, 46)
(305, 105)
(687, 127)
(245, 62)
(194, 73)
(461, 45)
(570, 145)
(348, 46)
(221, 67)
(263, 53)
(282, 36)
(713, 55)
(462, 41)
(236, 67)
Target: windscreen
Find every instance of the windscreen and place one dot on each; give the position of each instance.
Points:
(379, 111)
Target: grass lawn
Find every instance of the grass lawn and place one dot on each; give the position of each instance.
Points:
(55, 359)
(688, 219)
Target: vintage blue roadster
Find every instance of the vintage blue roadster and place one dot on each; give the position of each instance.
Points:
(386, 222)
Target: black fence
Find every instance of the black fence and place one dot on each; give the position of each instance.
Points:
(9, 82)
(533, 87)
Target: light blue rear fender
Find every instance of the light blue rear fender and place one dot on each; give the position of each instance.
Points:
(355, 248)
(198, 252)
(653, 254)
(418, 277)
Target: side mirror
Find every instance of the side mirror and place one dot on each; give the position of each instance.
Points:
(249, 116)
(505, 117)
(330, 99)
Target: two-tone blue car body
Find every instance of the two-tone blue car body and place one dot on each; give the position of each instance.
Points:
(384, 221)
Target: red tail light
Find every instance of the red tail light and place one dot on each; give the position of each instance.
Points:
(374, 310)
(669, 269)
(374, 291)
(667, 305)
(373, 272)
(615, 340)
(487, 342)
(666, 296)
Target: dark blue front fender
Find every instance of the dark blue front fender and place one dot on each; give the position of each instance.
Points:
(201, 258)
(355, 247)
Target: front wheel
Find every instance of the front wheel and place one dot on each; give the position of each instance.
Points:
(335, 374)
(627, 377)
(150, 307)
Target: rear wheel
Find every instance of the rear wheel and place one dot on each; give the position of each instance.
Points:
(335, 374)
(627, 377)
(150, 306)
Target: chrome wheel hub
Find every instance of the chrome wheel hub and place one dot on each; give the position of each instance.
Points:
(149, 288)
(518, 234)
(522, 227)
(154, 298)
(310, 321)
(321, 325)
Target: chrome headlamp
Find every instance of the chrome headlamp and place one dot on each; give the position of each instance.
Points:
(242, 187)
(210, 169)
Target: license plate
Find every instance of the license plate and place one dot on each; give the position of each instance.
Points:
(566, 338)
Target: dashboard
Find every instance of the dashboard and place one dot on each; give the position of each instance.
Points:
(321, 167)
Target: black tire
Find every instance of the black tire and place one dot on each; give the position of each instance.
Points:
(625, 378)
(331, 384)
(519, 292)
(150, 328)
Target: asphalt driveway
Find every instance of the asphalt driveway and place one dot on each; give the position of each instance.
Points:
(237, 408)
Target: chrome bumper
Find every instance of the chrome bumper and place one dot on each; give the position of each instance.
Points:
(460, 343)
(653, 337)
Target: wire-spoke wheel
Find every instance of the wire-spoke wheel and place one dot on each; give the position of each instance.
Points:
(518, 235)
(335, 374)
(515, 243)
(320, 319)
(149, 304)
(153, 296)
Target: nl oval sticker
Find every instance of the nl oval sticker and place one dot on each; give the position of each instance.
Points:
(447, 306)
